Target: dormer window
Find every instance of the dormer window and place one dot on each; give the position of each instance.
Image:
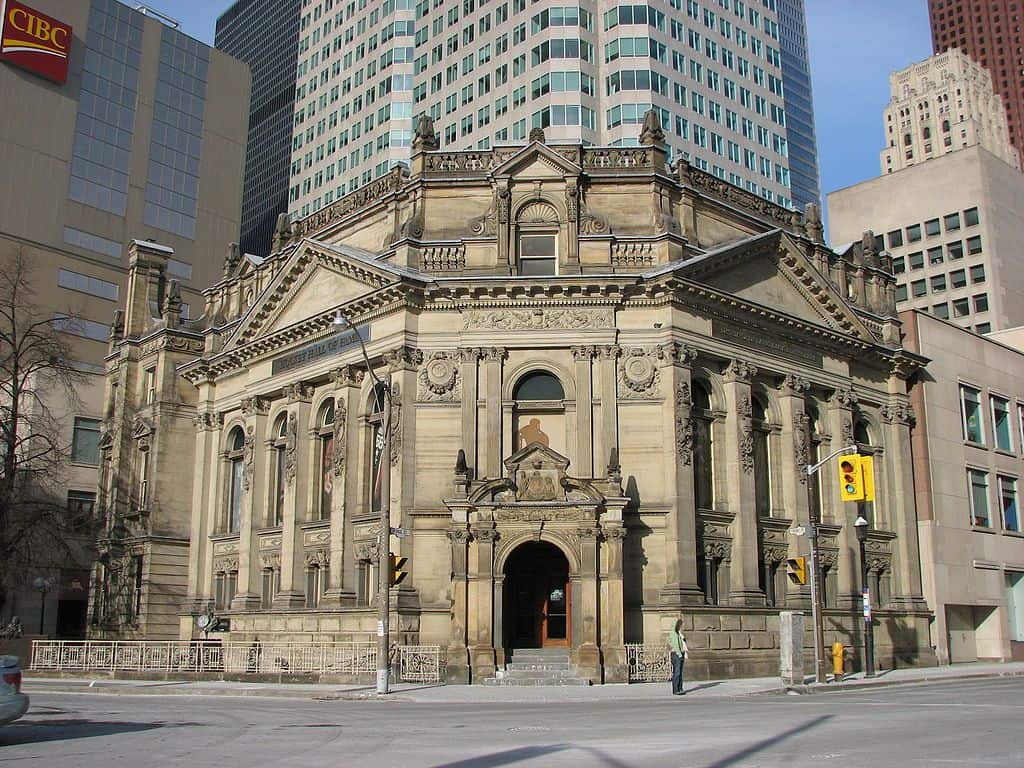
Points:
(538, 254)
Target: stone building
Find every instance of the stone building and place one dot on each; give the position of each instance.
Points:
(606, 372)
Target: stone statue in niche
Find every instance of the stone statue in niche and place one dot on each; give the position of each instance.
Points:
(537, 484)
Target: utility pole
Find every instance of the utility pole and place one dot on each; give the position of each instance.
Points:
(816, 584)
(384, 535)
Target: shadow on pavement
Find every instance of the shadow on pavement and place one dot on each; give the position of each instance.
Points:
(32, 731)
(507, 757)
(702, 686)
(753, 749)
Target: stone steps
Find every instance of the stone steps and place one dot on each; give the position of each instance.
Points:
(537, 667)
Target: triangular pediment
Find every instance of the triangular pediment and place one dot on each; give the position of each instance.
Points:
(539, 161)
(771, 270)
(316, 279)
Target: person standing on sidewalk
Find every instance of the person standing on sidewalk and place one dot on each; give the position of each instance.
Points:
(679, 654)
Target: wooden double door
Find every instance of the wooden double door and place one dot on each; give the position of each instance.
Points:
(537, 597)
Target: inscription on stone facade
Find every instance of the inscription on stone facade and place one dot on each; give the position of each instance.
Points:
(727, 331)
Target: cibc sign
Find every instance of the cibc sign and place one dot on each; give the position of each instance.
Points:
(34, 41)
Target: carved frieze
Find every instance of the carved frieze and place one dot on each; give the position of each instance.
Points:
(801, 444)
(291, 445)
(438, 379)
(248, 457)
(338, 452)
(225, 564)
(320, 557)
(538, 319)
(271, 560)
(639, 377)
(746, 425)
(528, 514)
(225, 547)
(316, 538)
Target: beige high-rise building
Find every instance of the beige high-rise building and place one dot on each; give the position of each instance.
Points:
(585, 72)
(940, 105)
(145, 140)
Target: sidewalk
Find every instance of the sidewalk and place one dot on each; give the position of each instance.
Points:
(475, 694)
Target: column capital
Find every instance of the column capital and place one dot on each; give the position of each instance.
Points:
(843, 397)
(402, 358)
(208, 421)
(347, 376)
(255, 406)
(492, 354)
(583, 353)
(677, 353)
(740, 371)
(794, 386)
(898, 413)
(469, 354)
(299, 392)
(608, 351)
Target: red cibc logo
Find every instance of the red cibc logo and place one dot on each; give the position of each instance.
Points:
(35, 41)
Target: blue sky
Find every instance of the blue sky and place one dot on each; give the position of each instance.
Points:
(854, 45)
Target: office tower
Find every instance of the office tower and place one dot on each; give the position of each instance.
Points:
(990, 31)
(265, 35)
(941, 105)
(798, 103)
(140, 136)
(488, 73)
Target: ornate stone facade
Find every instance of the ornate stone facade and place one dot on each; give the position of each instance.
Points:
(577, 390)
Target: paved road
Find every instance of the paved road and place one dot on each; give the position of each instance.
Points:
(975, 723)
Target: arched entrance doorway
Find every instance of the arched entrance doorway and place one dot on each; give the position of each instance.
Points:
(537, 597)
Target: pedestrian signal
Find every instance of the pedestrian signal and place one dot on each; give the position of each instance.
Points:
(851, 478)
(395, 573)
(796, 570)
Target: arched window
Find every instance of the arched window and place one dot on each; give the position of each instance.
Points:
(325, 461)
(379, 464)
(762, 470)
(236, 468)
(280, 446)
(538, 240)
(703, 467)
(539, 412)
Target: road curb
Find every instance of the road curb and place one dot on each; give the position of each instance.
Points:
(855, 685)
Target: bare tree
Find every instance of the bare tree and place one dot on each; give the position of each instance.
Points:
(37, 381)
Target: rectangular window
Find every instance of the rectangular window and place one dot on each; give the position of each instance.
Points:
(941, 310)
(931, 227)
(75, 281)
(935, 255)
(978, 481)
(1001, 432)
(981, 302)
(901, 292)
(970, 413)
(978, 273)
(85, 442)
(971, 217)
(952, 222)
(537, 254)
(958, 278)
(916, 259)
(899, 265)
(938, 283)
(919, 288)
(974, 245)
(955, 250)
(913, 233)
(961, 308)
(896, 238)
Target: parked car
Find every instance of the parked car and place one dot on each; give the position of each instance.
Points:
(13, 703)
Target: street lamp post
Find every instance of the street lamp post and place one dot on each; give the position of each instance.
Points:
(383, 549)
(860, 525)
(44, 586)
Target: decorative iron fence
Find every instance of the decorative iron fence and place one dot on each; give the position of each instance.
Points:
(418, 663)
(648, 663)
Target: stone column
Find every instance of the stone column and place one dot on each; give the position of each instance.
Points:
(585, 607)
(293, 565)
(248, 596)
(204, 477)
(794, 458)
(347, 383)
(840, 421)
(584, 412)
(906, 577)
(739, 468)
(616, 665)
(468, 371)
(680, 586)
(609, 432)
(402, 367)
(457, 669)
(481, 601)
(494, 434)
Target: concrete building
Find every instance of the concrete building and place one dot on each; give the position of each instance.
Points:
(953, 226)
(144, 139)
(990, 32)
(941, 105)
(242, 32)
(606, 373)
(968, 441)
(799, 104)
(488, 73)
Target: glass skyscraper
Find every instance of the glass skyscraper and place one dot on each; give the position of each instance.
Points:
(265, 35)
(796, 80)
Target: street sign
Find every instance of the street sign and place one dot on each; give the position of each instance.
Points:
(867, 605)
(797, 530)
(400, 532)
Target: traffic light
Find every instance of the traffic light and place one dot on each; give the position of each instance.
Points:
(796, 570)
(395, 573)
(851, 478)
(867, 469)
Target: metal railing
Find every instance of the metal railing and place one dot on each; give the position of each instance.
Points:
(418, 663)
(648, 663)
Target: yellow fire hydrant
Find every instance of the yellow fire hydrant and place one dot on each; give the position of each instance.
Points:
(838, 656)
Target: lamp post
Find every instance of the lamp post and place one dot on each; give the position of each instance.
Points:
(44, 586)
(860, 525)
(383, 553)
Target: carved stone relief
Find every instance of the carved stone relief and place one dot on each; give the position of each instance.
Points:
(639, 377)
(291, 444)
(249, 457)
(684, 423)
(396, 422)
(746, 424)
(338, 454)
(537, 319)
(801, 444)
(438, 379)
